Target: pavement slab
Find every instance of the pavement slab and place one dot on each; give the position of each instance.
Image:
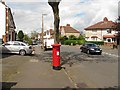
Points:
(37, 74)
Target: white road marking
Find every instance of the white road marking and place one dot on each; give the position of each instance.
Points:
(110, 54)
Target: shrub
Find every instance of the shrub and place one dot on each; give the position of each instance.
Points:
(69, 42)
(96, 42)
(74, 42)
(62, 39)
(72, 37)
(30, 42)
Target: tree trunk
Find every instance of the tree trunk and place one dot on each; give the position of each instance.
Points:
(55, 8)
(56, 24)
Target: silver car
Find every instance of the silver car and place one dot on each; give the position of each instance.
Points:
(16, 47)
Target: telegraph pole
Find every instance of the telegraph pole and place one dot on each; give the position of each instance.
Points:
(43, 30)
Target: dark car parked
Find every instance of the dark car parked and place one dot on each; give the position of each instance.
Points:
(91, 48)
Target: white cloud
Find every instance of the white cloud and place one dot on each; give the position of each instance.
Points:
(80, 13)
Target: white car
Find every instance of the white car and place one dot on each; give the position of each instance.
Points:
(16, 47)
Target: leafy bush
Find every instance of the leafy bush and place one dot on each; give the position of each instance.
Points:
(74, 42)
(81, 41)
(62, 39)
(72, 37)
(81, 37)
(30, 42)
(96, 42)
(70, 42)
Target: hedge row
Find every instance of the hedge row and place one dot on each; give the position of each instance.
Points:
(79, 42)
(96, 42)
(74, 42)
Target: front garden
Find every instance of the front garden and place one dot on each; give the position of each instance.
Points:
(73, 40)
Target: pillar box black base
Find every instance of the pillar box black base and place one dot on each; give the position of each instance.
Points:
(57, 68)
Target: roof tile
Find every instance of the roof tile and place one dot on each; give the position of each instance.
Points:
(105, 24)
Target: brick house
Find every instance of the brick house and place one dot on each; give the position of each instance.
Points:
(68, 30)
(47, 34)
(102, 31)
(64, 31)
(8, 31)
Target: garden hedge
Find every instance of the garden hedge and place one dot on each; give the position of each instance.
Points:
(96, 42)
(74, 42)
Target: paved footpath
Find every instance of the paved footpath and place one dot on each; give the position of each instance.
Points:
(38, 74)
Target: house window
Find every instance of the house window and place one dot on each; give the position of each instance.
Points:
(109, 40)
(94, 30)
(94, 39)
(47, 32)
(108, 30)
(104, 39)
(113, 39)
(87, 38)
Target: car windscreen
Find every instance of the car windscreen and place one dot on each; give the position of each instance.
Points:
(91, 45)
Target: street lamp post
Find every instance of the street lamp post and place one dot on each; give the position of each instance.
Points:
(43, 31)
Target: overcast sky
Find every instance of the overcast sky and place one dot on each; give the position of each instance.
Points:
(78, 13)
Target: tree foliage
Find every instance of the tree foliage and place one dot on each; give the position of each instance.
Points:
(34, 34)
(26, 37)
(20, 35)
(81, 37)
(72, 37)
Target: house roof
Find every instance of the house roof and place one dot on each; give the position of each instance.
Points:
(11, 19)
(51, 32)
(69, 29)
(105, 24)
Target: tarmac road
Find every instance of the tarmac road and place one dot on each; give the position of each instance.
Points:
(81, 70)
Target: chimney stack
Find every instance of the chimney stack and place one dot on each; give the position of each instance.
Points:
(68, 25)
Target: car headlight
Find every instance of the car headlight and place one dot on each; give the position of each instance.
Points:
(92, 49)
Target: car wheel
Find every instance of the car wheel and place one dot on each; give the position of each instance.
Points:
(88, 51)
(81, 50)
(22, 52)
(100, 53)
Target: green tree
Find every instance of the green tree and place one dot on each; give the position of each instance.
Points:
(81, 37)
(63, 38)
(72, 37)
(34, 35)
(26, 37)
(54, 4)
(20, 35)
(30, 42)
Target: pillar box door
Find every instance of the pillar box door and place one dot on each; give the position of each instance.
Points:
(56, 56)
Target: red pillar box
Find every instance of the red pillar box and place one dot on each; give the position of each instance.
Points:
(56, 56)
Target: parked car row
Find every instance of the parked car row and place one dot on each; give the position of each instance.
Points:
(22, 48)
(16, 47)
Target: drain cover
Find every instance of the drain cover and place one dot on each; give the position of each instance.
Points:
(82, 85)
